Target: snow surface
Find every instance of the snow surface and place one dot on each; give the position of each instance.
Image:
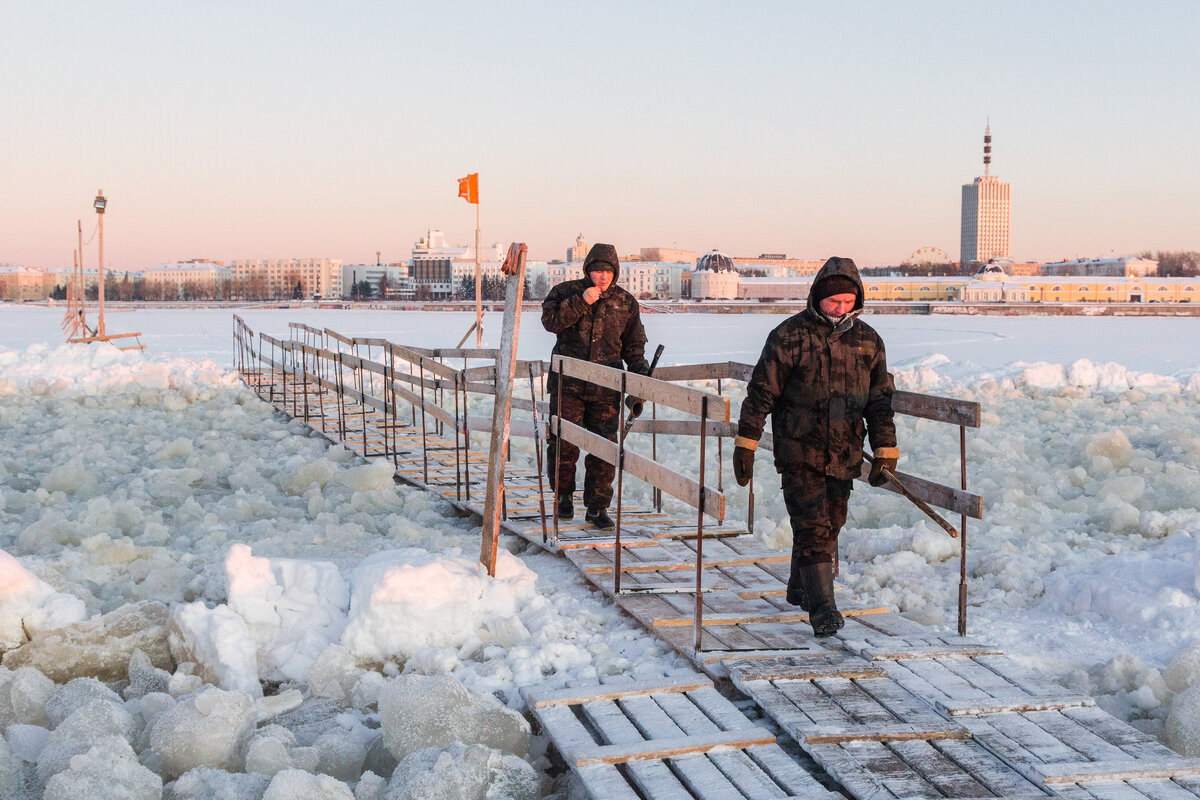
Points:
(292, 565)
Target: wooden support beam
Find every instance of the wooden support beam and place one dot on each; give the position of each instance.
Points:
(675, 566)
(506, 366)
(806, 668)
(1017, 703)
(653, 390)
(669, 481)
(878, 732)
(939, 409)
(1110, 771)
(903, 651)
(696, 372)
(332, 334)
(670, 748)
(803, 650)
(684, 427)
(553, 697)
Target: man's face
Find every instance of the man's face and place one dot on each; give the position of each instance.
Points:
(838, 304)
(603, 278)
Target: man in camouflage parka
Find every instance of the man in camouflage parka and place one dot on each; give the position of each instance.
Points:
(595, 320)
(823, 378)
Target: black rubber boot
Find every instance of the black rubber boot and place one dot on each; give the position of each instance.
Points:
(826, 620)
(600, 518)
(566, 507)
(797, 595)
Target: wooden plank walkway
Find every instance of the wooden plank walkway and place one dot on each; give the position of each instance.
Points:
(887, 709)
(676, 739)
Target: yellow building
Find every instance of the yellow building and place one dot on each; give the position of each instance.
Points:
(920, 290)
(1061, 289)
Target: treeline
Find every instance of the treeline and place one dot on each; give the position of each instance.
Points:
(1175, 264)
(125, 288)
(925, 270)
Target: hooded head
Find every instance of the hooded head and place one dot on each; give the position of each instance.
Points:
(838, 276)
(603, 257)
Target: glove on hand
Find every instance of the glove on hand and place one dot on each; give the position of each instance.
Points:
(635, 405)
(743, 459)
(885, 458)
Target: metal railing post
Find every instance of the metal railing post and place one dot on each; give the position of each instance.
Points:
(467, 446)
(699, 619)
(341, 396)
(304, 379)
(557, 446)
(457, 434)
(656, 493)
(620, 487)
(962, 563)
(537, 453)
(424, 437)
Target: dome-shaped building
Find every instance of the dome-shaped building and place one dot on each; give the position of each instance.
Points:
(715, 277)
(715, 261)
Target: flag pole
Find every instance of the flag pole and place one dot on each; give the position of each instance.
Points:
(478, 281)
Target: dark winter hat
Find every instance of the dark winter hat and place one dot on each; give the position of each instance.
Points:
(834, 284)
(601, 258)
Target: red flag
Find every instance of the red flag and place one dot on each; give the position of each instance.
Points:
(468, 188)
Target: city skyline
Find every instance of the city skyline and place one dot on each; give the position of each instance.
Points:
(227, 132)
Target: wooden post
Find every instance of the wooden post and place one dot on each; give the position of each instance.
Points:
(506, 367)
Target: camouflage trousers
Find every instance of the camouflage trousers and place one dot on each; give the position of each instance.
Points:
(596, 409)
(816, 506)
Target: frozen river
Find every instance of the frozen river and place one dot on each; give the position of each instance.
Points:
(970, 345)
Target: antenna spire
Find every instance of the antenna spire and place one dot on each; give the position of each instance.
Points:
(987, 147)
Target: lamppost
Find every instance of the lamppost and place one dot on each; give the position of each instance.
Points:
(100, 203)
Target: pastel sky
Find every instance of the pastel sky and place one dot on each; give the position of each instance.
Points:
(337, 129)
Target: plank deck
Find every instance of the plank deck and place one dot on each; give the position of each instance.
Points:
(887, 709)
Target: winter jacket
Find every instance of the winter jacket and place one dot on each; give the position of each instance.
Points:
(825, 387)
(607, 332)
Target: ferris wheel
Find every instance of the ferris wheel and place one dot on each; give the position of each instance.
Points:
(928, 255)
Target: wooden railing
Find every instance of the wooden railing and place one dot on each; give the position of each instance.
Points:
(420, 387)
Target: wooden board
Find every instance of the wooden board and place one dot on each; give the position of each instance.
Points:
(669, 481)
(902, 650)
(652, 390)
(1108, 771)
(668, 748)
(541, 699)
(802, 669)
(960, 708)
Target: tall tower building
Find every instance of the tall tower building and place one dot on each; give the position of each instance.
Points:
(579, 251)
(986, 206)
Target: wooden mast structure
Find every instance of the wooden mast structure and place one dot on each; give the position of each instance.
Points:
(78, 331)
(75, 320)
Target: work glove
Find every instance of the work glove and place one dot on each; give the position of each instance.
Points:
(743, 459)
(635, 405)
(884, 458)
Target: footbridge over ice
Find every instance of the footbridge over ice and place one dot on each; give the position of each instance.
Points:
(886, 709)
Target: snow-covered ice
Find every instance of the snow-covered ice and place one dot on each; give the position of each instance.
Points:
(305, 594)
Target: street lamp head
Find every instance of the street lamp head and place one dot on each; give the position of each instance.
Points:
(101, 201)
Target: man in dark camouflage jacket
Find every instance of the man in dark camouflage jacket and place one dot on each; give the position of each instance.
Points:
(823, 378)
(596, 321)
